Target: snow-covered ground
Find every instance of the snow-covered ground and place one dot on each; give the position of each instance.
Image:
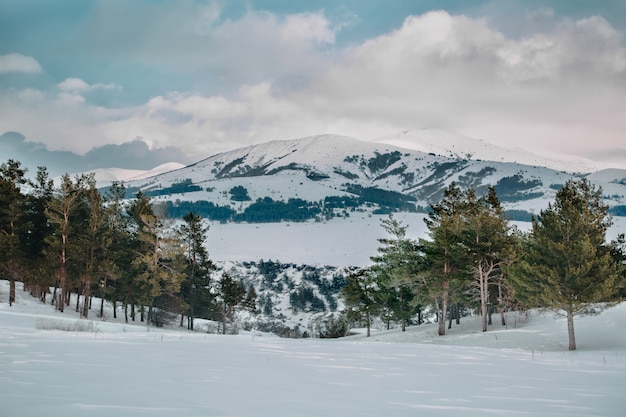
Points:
(115, 369)
(338, 242)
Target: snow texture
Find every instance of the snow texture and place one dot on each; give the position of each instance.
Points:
(110, 368)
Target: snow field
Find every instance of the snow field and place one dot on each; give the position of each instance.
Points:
(128, 370)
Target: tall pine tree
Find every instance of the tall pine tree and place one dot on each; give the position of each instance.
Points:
(567, 265)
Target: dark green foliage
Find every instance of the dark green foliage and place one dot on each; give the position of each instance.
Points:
(228, 167)
(304, 299)
(567, 265)
(396, 266)
(268, 210)
(239, 193)
(618, 211)
(389, 199)
(332, 327)
(204, 208)
(13, 226)
(316, 176)
(348, 175)
(380, 162)
(362, 294)
(183, 186)
(443, 170)
(518, 215)
(196, 288)
(618, 252)
(473, 179)
(341, 202)
(234, 295)
(514, 188)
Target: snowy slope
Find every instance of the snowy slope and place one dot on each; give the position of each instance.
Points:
(112, 368)
(105, 176)
(453, 145)
(316, 167)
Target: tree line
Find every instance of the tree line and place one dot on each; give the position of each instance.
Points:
(473, 259)
(72, 239)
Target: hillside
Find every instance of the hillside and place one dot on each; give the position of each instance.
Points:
(332, 176)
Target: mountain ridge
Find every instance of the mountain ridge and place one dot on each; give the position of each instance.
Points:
(319, 167)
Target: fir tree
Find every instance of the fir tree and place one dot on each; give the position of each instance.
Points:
(362, 295)
(446, 256)
(12, 205)
(196, 291)
(567, 265)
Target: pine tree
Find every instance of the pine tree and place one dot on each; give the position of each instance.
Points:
(12, 206)
(195, 290)
(446, 257)
(115, 240)
(567, 265)
(488, 242)
(36, 240)
(232, 294)
(90, 250)
(362, 294)
(60, 211)
(396, 266)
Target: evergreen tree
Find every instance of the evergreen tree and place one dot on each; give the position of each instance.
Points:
(446, 256)
(61, 209)
(116, 238)
(12, 206)
(396, 266)
(488, 243)
(232, 294)
(196, 289)
(362, 295)
(157, 269)
(618, 252)
(567, 265)
(91, 246)
(36, 240)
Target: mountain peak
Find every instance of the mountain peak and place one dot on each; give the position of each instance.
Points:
(454, 145)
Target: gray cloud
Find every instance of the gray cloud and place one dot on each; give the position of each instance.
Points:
(129, 155)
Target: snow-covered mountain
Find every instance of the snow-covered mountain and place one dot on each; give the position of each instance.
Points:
(454, 145)
(108, 175)
(379, 174)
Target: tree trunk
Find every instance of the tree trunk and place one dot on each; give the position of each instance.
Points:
(11, 291)
(570, 328)
(86, 298)
(367, 317)
(61, 299)
(484, 270)
(442, 312)
(114, 309)
(501, 301)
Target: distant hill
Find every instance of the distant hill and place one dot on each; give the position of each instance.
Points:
(326, 176)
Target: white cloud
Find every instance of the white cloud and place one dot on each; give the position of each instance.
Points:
(306, 28)
(75, 85)
(564, 86)
(19, 63)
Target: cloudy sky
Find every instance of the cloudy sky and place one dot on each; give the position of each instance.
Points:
(191, 78)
